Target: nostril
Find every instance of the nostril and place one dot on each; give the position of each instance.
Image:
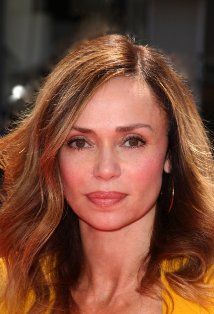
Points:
(107, 169)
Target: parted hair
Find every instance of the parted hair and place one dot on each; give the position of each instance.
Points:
(40, 242)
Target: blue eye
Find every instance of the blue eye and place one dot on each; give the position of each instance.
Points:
(134, 141)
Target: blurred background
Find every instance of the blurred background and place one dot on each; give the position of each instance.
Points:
(35, 34)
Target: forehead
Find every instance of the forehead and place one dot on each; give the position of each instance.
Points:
(122, 101)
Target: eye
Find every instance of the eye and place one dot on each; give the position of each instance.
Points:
(134, 141)
(78, 143)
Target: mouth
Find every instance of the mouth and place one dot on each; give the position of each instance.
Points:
(105, 198)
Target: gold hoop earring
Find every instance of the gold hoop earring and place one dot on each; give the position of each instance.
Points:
(172, 197)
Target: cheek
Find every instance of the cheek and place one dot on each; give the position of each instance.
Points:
(71, 178)
(147, 172)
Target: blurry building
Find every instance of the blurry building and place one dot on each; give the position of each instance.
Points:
(36, 33)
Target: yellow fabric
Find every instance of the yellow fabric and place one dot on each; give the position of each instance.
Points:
(181, 305)
(176, 304)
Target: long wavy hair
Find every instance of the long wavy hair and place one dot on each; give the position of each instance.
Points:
(40, 242)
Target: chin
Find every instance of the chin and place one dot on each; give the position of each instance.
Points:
(107, 225)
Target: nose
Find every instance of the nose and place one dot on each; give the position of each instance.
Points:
(107, 165)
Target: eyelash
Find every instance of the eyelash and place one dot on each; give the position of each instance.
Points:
(130, 137)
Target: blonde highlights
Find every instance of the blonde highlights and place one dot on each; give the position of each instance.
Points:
(36, 226)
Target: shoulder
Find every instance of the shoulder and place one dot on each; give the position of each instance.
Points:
(177, 304)
(3, 282)
(30, 299)
(3, 273)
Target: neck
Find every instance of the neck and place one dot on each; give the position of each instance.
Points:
(113, 259)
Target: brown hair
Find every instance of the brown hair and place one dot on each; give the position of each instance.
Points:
(37, 229)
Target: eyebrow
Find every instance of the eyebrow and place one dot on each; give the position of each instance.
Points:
(119, 129)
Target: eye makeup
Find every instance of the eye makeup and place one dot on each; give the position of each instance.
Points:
(80, 142)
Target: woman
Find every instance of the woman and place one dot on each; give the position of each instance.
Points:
(108, 190)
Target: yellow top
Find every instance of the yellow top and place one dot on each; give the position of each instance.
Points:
(181, 305)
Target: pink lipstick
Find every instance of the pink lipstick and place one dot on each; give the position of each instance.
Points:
(104, 199)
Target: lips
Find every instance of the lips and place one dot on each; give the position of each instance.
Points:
(109, 194)
(105, 198)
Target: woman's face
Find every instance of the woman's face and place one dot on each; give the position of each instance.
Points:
(118, 144)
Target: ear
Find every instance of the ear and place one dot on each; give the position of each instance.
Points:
(167, 165)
